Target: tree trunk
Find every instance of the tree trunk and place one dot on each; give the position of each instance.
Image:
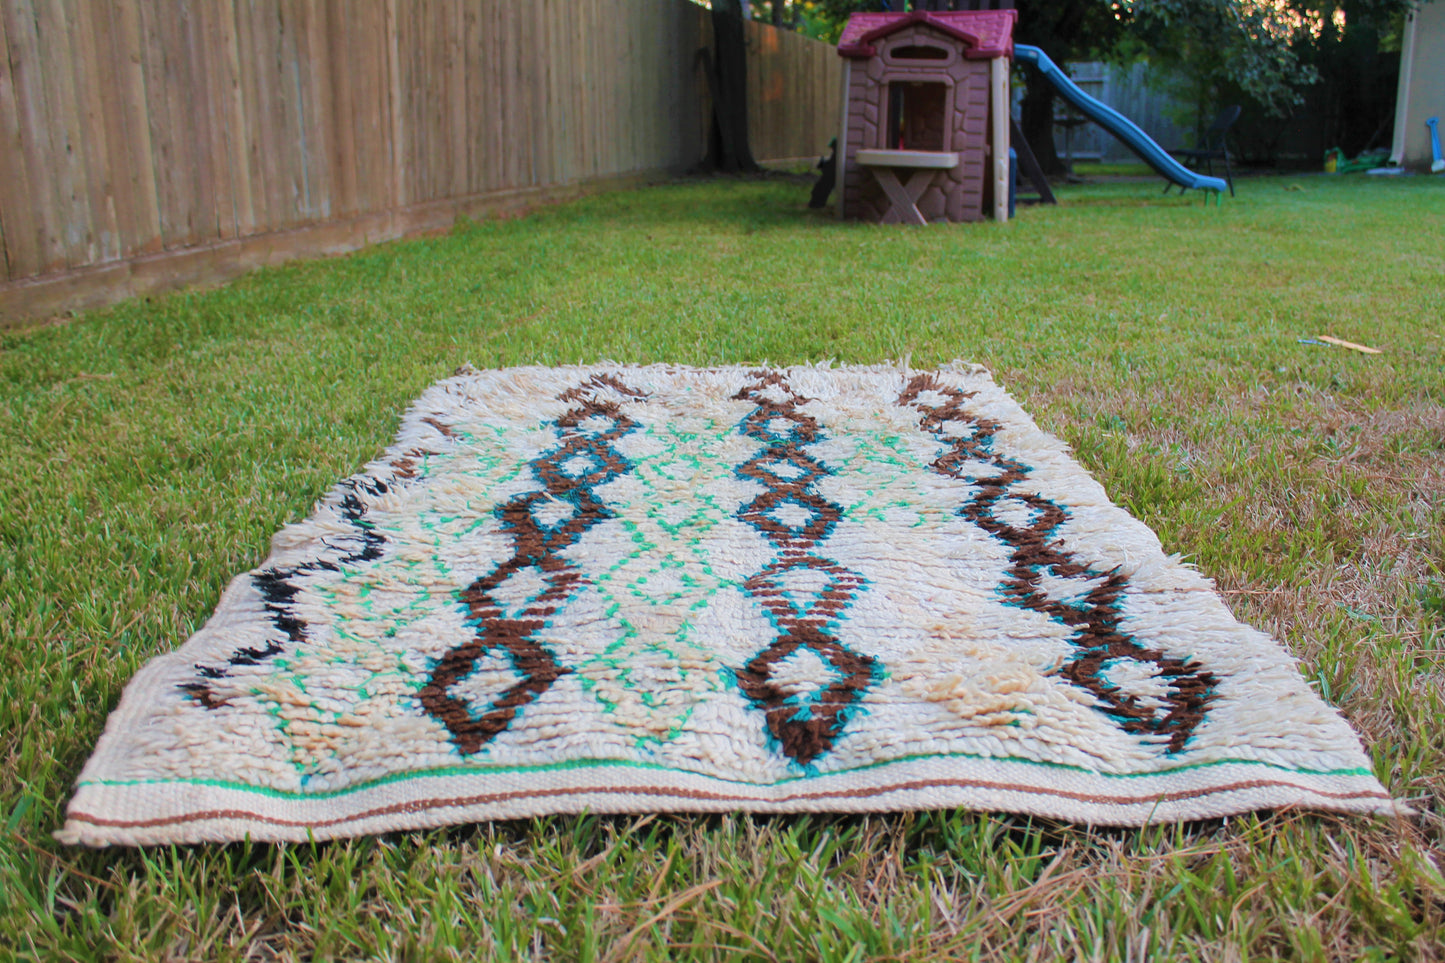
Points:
(728, 150)
(1037, 124)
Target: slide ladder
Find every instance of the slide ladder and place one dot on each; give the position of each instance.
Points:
(1116, 123)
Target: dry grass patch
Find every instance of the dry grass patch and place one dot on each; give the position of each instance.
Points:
(1334, 511)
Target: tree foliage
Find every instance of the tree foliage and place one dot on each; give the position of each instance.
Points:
(1269, 52)
(1250, 46)
(1311, 75)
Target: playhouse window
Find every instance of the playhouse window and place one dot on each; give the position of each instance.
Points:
(917, 52)
(916, 115)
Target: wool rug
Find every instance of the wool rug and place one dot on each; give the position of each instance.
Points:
(626, 589)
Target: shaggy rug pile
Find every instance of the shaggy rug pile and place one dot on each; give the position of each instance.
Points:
(626, 589)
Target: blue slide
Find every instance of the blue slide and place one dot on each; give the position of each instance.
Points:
(1116, 123)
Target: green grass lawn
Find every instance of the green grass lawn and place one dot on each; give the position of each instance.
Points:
(148, 452)
(1116, 169)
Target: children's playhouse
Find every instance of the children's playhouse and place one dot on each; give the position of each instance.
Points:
(925, 116)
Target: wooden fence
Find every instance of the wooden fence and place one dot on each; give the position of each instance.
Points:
(794, 93)
(150, 143)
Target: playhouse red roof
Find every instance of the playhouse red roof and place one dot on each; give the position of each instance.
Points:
(989, 33)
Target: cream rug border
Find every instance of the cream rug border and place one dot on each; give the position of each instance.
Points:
(164, 813)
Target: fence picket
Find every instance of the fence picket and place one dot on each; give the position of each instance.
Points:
(18, 215)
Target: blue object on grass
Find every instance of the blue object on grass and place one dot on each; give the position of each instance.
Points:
(1116, 123)
(1437, 164)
